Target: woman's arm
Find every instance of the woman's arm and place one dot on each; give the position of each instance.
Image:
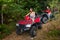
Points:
(27, 14)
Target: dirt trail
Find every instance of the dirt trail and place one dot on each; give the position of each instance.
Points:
(26, 36)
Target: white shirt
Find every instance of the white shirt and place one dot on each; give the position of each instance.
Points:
(32, 15)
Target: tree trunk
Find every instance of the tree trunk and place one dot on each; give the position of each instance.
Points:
(2, 15)
(4, 5)
(1, 18)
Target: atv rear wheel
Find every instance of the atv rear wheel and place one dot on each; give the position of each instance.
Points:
(39, 25)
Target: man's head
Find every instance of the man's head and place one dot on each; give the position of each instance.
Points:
(47, 7)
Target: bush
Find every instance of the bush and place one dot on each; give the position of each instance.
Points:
(54, 33)
(0, 36)
(4, 30)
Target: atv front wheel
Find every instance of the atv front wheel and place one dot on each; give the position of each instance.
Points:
(44, 20)
(33, 31)
(19, 31)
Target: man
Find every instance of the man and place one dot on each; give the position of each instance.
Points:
(48, 11)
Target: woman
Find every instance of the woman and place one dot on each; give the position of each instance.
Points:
(31, 14)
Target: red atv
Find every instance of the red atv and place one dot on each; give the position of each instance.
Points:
(28, 24)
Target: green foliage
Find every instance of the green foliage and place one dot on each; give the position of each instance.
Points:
(6, 1)
(1, 36)
(5, 30)
(19, 8)
(54, 32)
(14, 10)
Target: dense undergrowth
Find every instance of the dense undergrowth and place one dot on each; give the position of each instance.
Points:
(6, 29)
(53, 28)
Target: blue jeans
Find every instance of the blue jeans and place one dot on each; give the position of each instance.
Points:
(49, 16)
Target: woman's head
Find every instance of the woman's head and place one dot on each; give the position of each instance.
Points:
(31, 9)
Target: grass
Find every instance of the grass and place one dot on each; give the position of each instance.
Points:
(54, 29)
(54, 33)
(51, 30)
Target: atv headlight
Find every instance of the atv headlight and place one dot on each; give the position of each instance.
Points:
(28, 25)
(17, 24)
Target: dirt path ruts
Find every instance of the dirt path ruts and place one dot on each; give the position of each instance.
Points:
(26, 36)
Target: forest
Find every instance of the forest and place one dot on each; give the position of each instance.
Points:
(13, 10)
